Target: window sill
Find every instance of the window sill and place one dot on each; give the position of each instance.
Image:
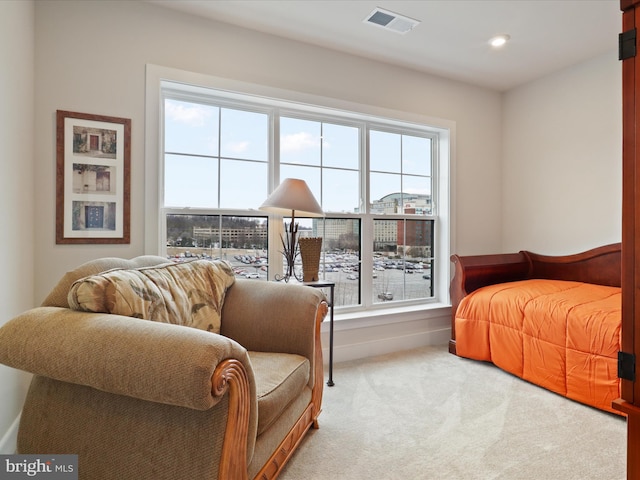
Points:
(386, 316)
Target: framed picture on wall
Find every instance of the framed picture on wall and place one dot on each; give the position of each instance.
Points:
(93, 178)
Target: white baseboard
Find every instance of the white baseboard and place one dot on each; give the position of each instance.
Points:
(361, 339)
(10, 438)
(372, 348)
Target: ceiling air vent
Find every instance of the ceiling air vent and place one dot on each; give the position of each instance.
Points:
(391, 21)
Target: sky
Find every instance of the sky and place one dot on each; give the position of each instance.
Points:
(233, 145)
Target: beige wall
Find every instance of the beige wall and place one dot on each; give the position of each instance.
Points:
(562, 160)
(91, 58)
(16, 189)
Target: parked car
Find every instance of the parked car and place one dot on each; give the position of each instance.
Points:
(385, 296)
(251, 275)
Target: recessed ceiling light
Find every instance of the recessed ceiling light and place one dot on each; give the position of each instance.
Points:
(499, 40)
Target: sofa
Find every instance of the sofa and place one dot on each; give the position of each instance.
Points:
(554, 321)
(149, 369)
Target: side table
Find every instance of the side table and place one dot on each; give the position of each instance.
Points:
(331, 286)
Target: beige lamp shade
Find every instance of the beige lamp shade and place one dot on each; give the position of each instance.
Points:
(292, 197)
(292, 194)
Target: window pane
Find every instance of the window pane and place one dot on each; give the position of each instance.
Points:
(384, 151)
(402, 252)
(300, 145)
(416, 155)
(244, 135)
(190, 128)
(243, 185)
(385, 193)
(299, 141)
(417, 248)
(242, 241)
(388, 276)
(190, 181)
(417, 195)
(340, 191)
(340, 261)
(340, 146)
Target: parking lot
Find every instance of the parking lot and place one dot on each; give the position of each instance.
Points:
(400, 285)
(392, 280)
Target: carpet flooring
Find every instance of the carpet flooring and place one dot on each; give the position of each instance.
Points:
(427, 414)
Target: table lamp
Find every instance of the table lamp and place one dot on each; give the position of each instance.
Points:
(292, 196)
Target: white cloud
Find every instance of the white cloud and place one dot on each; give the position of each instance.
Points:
(193, 115)
(297, 142)
(237, 147)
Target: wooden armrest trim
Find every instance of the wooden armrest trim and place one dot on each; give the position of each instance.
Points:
(318, 374)
(230, 375)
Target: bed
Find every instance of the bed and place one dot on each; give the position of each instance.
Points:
(554, 321)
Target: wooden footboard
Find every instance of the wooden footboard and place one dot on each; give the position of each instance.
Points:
(600, 265)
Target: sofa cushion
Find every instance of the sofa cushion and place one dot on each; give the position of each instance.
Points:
(189, 294)
(280, 377)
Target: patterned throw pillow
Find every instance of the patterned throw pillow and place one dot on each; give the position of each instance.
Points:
(189, 294)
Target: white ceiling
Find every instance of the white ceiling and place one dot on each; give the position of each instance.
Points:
(452, 38)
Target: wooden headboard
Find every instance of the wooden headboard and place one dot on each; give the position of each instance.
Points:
(601, 265)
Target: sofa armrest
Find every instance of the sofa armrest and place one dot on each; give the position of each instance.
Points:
(148, 360)
(273, 317)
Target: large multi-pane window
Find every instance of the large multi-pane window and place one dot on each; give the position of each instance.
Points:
(374, 179)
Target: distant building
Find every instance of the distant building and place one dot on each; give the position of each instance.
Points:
(342, 233)
(238, 237)
(386, 235)
(389, 234)
(395, 203)
(417, 237)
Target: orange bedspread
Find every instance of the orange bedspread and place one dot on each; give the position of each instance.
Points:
(563, 336)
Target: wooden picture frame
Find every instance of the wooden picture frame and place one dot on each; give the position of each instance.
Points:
(93, 178)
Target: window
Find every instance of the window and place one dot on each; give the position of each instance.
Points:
(214, 157)
(325, 155)
(376, 179)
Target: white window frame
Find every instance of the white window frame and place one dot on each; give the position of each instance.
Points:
(442, 179)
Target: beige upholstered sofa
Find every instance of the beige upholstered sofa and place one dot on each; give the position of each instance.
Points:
(140, 399)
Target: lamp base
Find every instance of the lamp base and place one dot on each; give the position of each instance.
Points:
(290, 252)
